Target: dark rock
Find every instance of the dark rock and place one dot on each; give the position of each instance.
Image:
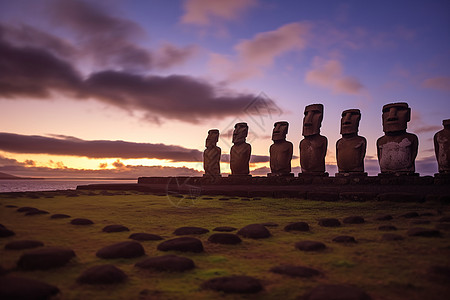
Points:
(444, 219)
(126, 249)
(224, 229)
(426, 214)
(184, 244)
(329, 222)
(59, 216)
(115, 228)
(171, 263)
(254, 231)
(353, 220)
(344, 239)
(207, 198)
(81, 221)
(409, 215)
(145, 237)
(439, 274)
(387, 228)
(392, 237)
(383, 218)
(190, 230)
(224, 199)
(224, 238)
(233, 284)
(423, 232)
(5, 232)
(36, 212)
(105, 274)
(443, 226)
(245, 199)
(26, 208)
(336, 292)
(297, 226)
(269, 224)
(420, 222)
(295, 271)
(10, 206)
(45, 258)
(310, 246)
(25, 289)
(24, 244)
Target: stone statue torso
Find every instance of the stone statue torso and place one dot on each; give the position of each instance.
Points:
(442, 148)
(280, 157)
(350, 153)
(240, 158)
(397, 153)
(312, 153)
(211, 160)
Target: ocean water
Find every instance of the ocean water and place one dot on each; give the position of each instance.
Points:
(35, 185)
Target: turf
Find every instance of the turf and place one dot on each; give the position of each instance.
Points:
(384, 269)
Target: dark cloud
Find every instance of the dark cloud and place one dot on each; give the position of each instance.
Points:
(35, 72)
(169, 55)
(16, 143)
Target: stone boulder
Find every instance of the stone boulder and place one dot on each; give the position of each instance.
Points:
(81, 221)
(115, 228)
(297, 226)
(310, 246)
(336, 292)
(225, 238)
(295, 271)
(24, 288)
(45, 258)
(171, 263)
(254, 231)
(184, 244)
(234, 284)
(329, 222)
(105, 274)
(128, 249)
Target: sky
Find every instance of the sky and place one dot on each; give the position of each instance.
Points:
(130, 88)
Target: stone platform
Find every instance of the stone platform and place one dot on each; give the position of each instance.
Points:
(392, 188)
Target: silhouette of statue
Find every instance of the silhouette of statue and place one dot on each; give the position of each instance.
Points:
(313, 147)
(240, 151)
(397, 149)
(211, 155)
(280, 151)
(351, 148)
(442, 148)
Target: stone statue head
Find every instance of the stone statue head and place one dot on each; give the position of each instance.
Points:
(446, 123)
(240, 133)
(350, 121)
(396, 116)
(312, 119)
(280, 129)
(213, 138)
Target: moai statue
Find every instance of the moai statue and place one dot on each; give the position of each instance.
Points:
(313, 147)
(351, 148)
(240, 151)
(397, 149)
(442, 148)
(211, 155)
(280, 151)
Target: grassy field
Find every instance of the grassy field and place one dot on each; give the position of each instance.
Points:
(384, 269)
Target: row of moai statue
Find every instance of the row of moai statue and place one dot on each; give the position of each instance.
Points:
(396, 150)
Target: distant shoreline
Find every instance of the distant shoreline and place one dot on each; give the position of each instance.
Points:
(66, 178)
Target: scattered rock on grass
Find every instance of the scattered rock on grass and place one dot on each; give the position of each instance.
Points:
(126, 249)
(234, 284)
(297, 226)
(254, 231)
(81, 221)
(353, 220)
(190, 230)
(423, 232)
(344, 239)
(59, 216)
(392, 237)
(335, 292)
(115, 228)
(45, 258)
(224, 229)
(409, 215)
(23, 244)
(26, 208)
(420, 222)
(329, 222)
(184, 244)
(145, 237)
(5, 232)
(295, 271)
(387, 228)
(24, 288)
(310, 246)
(171, 263)
(36, 212)
(383, 218)
(105, 274)
(224, 238)
(11, 206)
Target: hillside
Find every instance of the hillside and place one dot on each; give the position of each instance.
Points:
(7, 176)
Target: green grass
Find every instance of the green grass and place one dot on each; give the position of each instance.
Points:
(385, 270)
